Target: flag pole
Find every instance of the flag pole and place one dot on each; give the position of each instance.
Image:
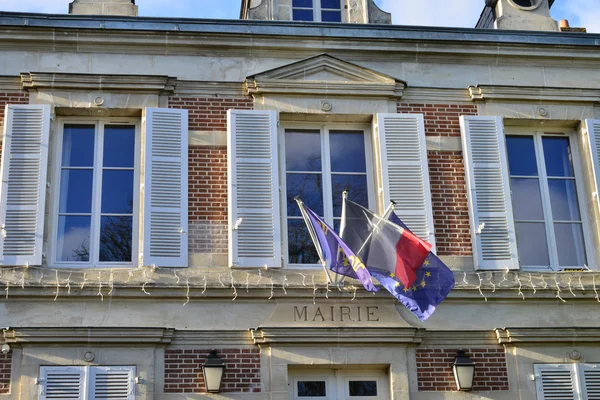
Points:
(342, 223)
(387, 211)
(313, 236)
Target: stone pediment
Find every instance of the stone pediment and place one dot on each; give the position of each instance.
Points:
(324, 74)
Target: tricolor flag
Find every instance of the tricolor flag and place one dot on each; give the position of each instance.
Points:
(382, 244)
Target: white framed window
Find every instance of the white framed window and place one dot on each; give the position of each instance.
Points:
(325, 384)
(567, 381)
(548, 200)
(87, 382)
(318, 163)
(317, 10)
(95, 218)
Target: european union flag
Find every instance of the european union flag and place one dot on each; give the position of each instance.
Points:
(337, 256)
(434, 280)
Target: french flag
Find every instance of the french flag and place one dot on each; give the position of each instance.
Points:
(382, 244)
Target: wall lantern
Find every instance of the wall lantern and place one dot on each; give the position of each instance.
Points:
(213, 369)
(464, 370)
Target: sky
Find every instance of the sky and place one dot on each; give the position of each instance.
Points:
(457, 13)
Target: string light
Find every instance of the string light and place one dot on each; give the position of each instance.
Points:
(558, 289)
(272, 288)
(220, 281)
(520, 286)
(354, 294)
(492, 282)
(204, 290)
(570, 288)
(479, 287)
(187, 293)
(57, 285)
(233, 286)
(176, 276)
(7, 288)
(314, 290)
(284, 283)
(112, 283)
(247, 281)
(303, 278)
(465, 278)
(84, 280)
(531, 283)
(595, 290)
(100, 286)
(68, 284)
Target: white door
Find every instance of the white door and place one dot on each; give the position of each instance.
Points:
(347, 384)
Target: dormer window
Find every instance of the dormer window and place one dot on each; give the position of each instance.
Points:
(317, 10)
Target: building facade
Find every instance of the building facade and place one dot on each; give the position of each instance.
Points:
(149, 167)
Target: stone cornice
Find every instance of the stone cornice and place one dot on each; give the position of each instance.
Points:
(220, 89)
(324, 75)
(214, 338)
(437, 338)
(533, 93)
(99, 82)
(10, 83)
(75, 336)
(414, 94)
(547, 335)
(344, 336)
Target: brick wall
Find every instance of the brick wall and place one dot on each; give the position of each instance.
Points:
(183, 370)
(5, 371)
(449, 202)
(434, 369)
(11, 98)
(209, 113)
(440, 119)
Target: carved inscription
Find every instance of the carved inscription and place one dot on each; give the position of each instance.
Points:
(336, 314)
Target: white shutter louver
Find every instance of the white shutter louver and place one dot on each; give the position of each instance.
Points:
(63, 383)
(404, 171)
(112, 383)
(165, 188)
(23, 192)
(488, 193)
(556, 382)
(253, 189)
(590, 381)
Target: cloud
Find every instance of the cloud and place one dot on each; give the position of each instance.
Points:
(580, 13)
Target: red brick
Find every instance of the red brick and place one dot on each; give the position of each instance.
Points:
(11, 98)
(209, 113)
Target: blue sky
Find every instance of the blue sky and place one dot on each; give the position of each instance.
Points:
(463, 13)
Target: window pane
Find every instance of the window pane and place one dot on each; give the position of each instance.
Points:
(309, 187)
(115, 239)
(119, 142)
(303, 151)
(303, 15)
(78, 146)
(557, 154)
(311, 389)
(330, 4)
(532, 245)
(300, 245)
(302, 3)
(117, 192)
(521, 155)
(73, 238)
(570, 245)
(76, 191)
(357, 191)
(526, 198)
(362, 388)
(331, 16)
(563, 197)
(347, 152)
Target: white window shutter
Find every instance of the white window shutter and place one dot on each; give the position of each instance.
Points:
(590, 381)
(62, 383)
(253, 189)
(488, 193)
(556, 381)
(115, 383)
(23, 191)
(404, 171)
(164, 192)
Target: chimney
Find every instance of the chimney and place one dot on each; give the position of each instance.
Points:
(104, 7)
(528, 15)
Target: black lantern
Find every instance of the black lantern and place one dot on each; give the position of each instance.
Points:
(464, 370)
(213, 369)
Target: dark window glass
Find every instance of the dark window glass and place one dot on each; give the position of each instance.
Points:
(570, 245)
(330, 4)
(115, 239)
(532, 243)
(76, 191)
(309, 187)
(563, 197)
(303, 15)
(521, 155)
(557, 155)
(117, 191)
(526, 199)
(301, 249)
(78, 146)
(303, 151)
(302, 3)
(347, 152)
(119, 142)
(311, 389)
(356, 185)
(362, 388)
(331, 16)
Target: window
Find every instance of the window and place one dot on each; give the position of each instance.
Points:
(357, 384)
(546, 201)
(317, 10)
(87, 382)
(567, 381)
(96, 202)
(319, 165)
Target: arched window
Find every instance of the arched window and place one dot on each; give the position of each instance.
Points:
(317, 10)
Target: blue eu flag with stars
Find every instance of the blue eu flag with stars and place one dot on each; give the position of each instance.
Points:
(434, 282)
